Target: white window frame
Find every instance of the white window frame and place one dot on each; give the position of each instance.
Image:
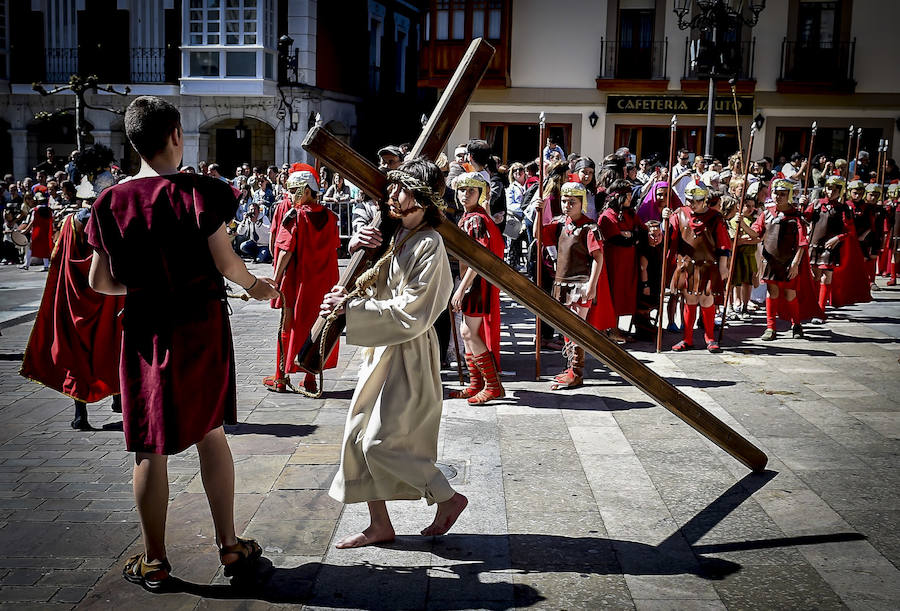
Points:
(377, 13)
(263, 45)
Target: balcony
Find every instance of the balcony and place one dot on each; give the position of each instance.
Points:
(741, 63)
(140, 65)
(626, 66)
(817, 67)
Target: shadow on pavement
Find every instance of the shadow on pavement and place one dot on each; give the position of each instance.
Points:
(576, 401)
(275, 429)
(475, 563)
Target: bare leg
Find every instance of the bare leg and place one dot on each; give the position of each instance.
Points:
(469, 331)
(151, 495)
(217, 473)
(380, 529)
(447, 513)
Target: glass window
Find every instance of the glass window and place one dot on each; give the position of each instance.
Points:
(495, 15)
(478, 12)
(204, 63)
(241, 19)
(270, 66)
(459, 19)
(240, 63)
(443, 20)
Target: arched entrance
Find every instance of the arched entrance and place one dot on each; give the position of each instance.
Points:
(236, 141)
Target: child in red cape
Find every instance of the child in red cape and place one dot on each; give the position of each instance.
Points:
(476, 298)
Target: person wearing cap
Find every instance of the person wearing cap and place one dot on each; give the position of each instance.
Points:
(868, 221)
(586, 171)
(621, 229)
(828, 219)
(859, 167)
(389, 158)
(160, 240)
(787, 276)
(476, 298)
(580, 281)
(306, 268)
(702, 246)
(391, 433)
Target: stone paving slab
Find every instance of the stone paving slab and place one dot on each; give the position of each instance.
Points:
(584, 499)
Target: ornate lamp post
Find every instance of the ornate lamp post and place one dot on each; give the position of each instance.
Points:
(712, 53)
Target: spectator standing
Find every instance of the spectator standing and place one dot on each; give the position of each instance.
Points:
(551, 147)
(40, 225)
(51, 164)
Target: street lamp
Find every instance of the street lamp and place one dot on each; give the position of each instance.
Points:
(711, 54)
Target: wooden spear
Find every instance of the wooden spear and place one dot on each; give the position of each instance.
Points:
(737, 124)
(812, 142)
(849, 149)
(539, 227)
(737, 233)
(855, 157)
(665, 229)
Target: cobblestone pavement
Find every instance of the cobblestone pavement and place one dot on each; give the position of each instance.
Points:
(591, 498)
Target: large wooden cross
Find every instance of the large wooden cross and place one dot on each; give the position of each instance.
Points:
(367, 177)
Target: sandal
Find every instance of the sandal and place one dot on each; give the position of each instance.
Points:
(682, 346)
(276, 384)
(248, 552)
(152, 576)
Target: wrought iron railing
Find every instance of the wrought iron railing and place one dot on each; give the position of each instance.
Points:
(818, 62)
(620, 59)
(155, 65)
(61, 64)
(743, 61)
(146, 65)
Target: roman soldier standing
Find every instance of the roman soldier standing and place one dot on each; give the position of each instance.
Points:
(702, 247)
(788, 280)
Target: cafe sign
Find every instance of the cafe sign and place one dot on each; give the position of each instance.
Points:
(676, 105)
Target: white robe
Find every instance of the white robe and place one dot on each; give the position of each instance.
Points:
(390, 438)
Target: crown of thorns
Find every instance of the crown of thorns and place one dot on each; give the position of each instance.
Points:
(418, 187)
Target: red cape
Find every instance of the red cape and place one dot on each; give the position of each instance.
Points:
(807, 294)
(602, 314)
(75, 343)
(850, 283)
(310, 274)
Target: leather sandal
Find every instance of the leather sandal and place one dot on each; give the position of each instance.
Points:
(152, 576)
(248, 552)
(276, 384)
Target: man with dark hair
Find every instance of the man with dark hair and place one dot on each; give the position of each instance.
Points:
(51, 164)
(681, 172)
(177, 369)
(482, 162)
(794, 170)
(390, 438)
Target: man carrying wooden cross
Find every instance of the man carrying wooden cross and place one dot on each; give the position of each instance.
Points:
(390, 437)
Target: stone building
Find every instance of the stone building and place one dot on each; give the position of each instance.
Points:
(249, 76)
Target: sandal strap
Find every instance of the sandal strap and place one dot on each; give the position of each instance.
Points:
(138, 566)
(245, 548)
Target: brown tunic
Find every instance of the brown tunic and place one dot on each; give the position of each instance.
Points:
(702, 239)
(826, 221)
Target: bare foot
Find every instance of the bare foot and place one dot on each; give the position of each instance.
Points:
(447, 513)
(371, 535)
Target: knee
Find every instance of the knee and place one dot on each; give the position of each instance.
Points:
(465, 332)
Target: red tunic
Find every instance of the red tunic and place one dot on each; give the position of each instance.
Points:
(621, 259)
(177, 366)
(42, 233)
(483, 299)
(601, 314)
(310, 234)
(75, 342)
(697, 270)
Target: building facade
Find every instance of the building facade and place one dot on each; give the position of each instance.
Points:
(611, 73)
(249, 76)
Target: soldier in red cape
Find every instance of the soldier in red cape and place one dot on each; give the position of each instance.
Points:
(306, 267)
(785, 268)
(893, 221)
(702, 245)
(886, 256)
(868, 221)
(75, 342)
(580, 281)
(478, 299)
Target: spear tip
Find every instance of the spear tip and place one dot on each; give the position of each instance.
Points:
(542, 116)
